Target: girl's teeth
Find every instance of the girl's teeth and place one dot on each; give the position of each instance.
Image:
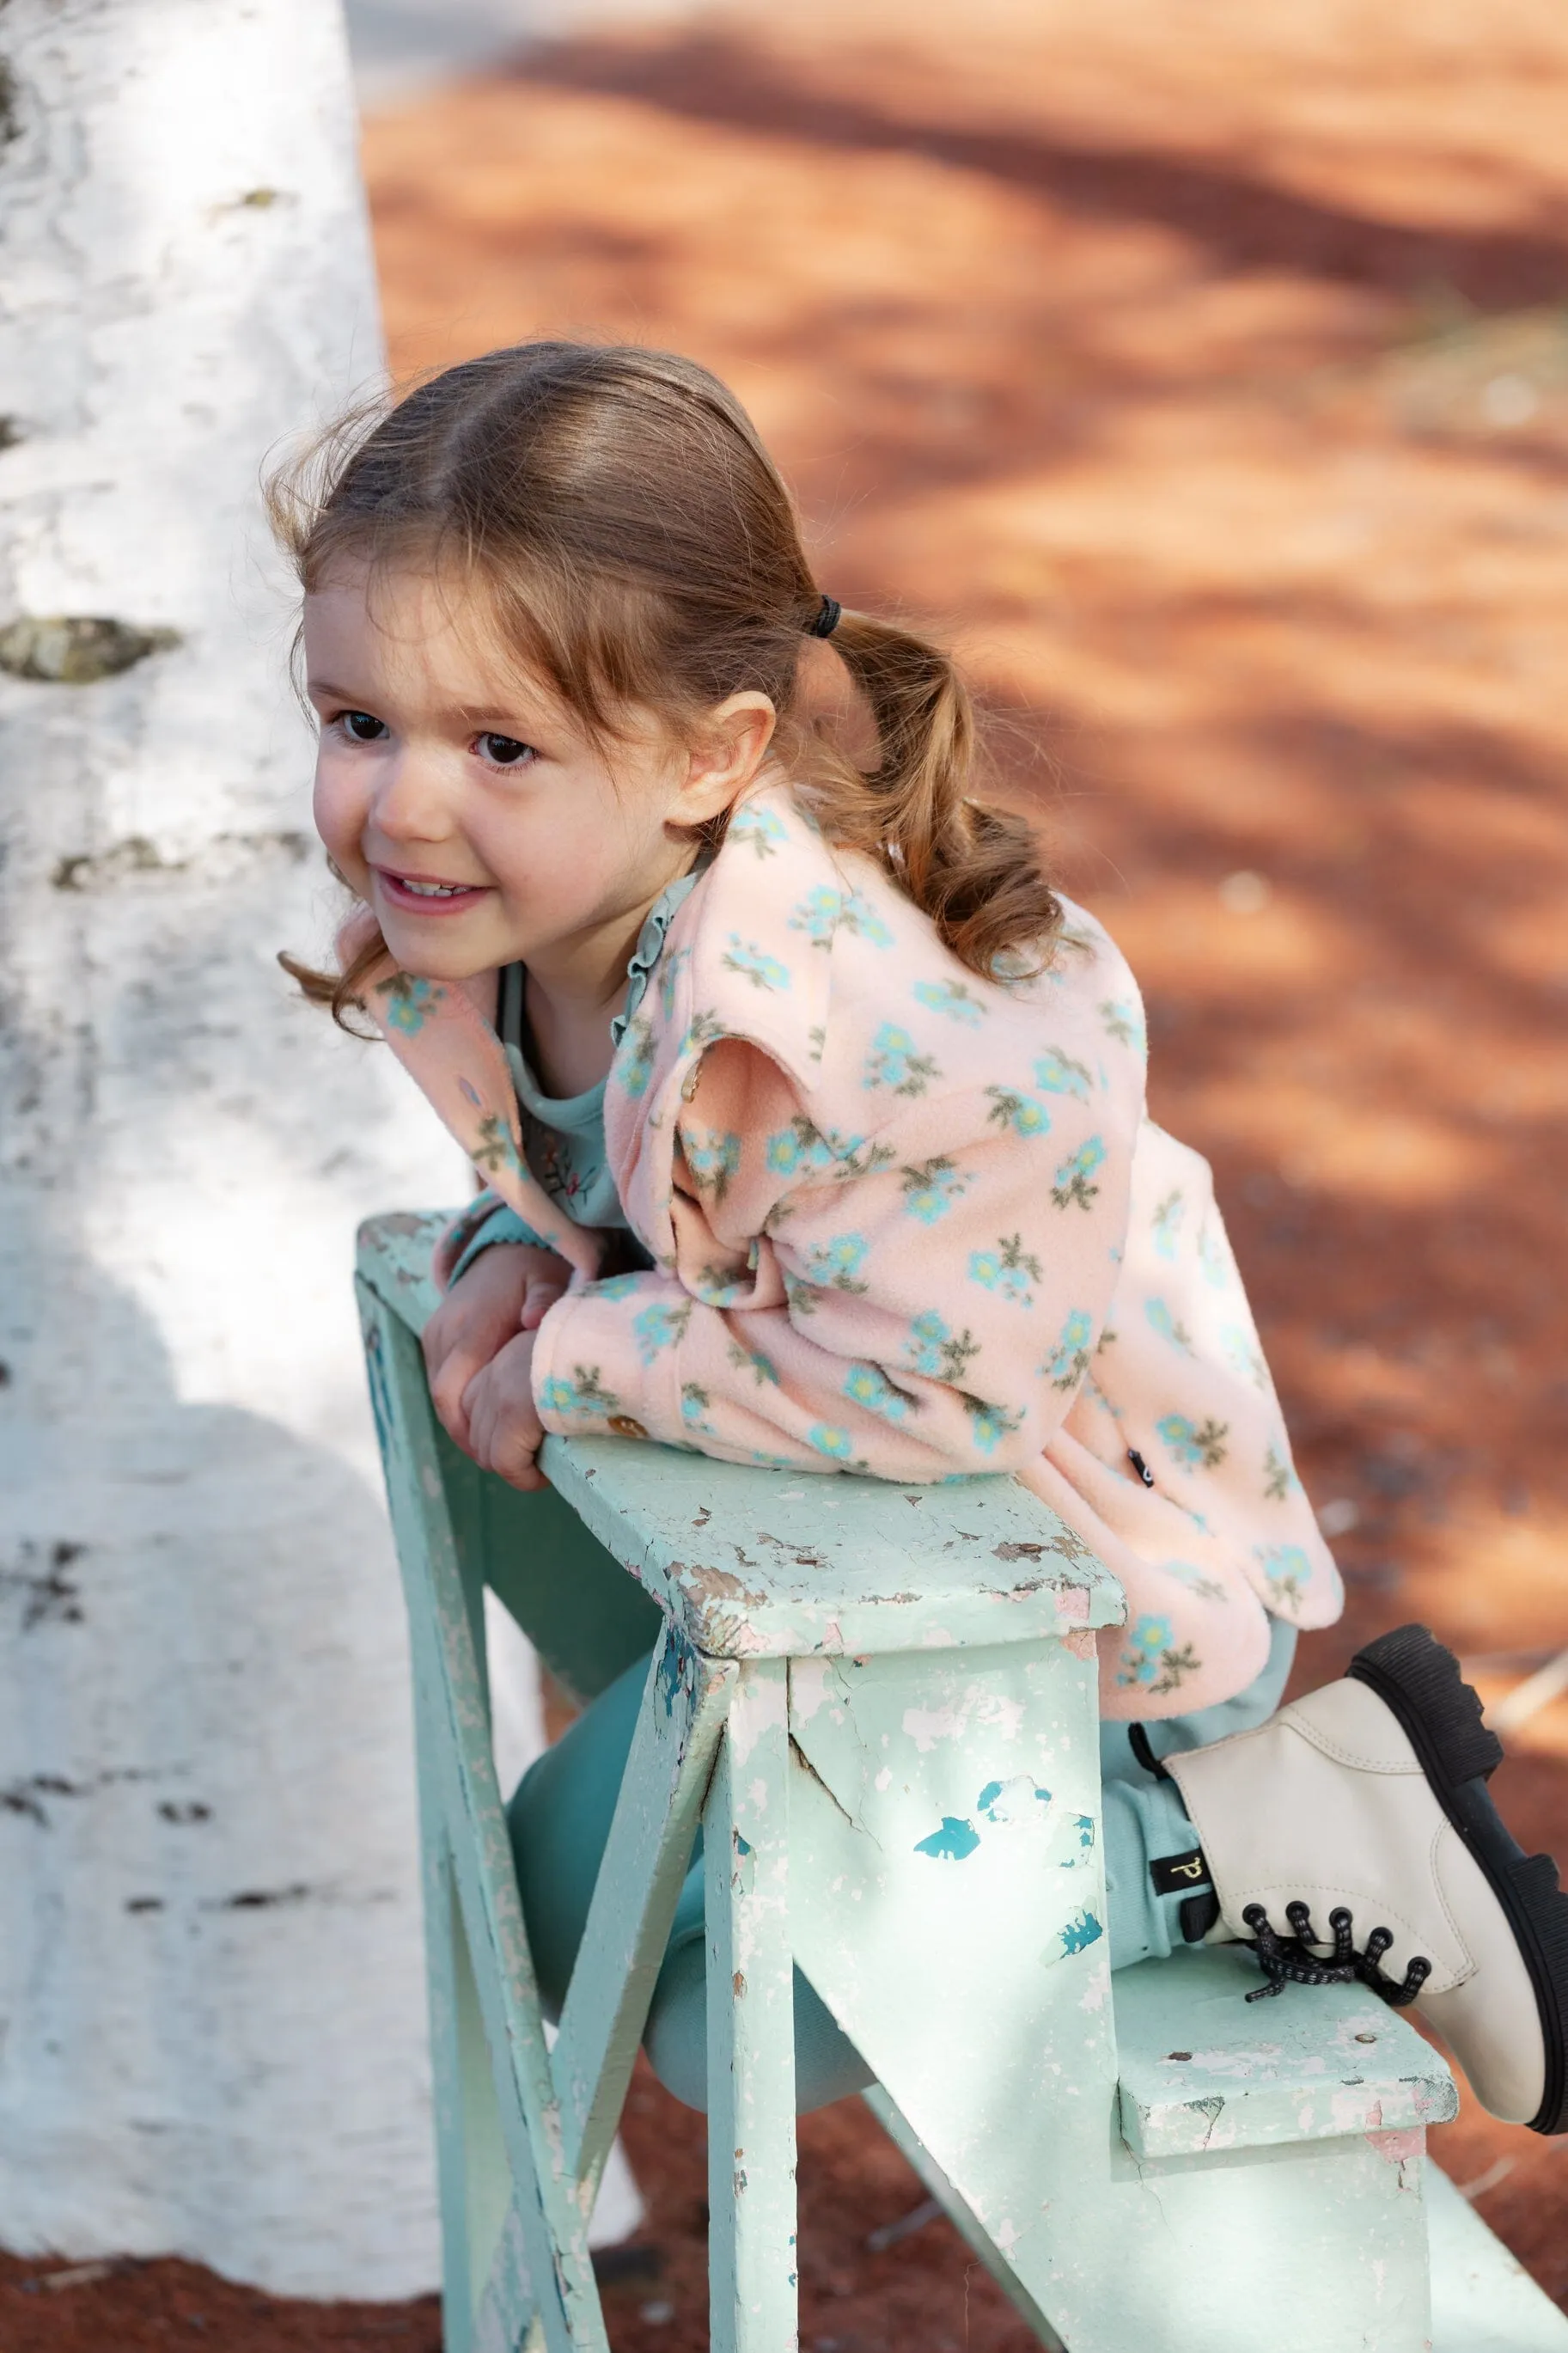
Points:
(434, 889)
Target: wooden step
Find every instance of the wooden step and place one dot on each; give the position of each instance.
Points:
(1203, 2069)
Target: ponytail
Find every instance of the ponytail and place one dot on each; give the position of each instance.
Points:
(975, 870)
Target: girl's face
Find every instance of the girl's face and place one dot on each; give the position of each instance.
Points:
(470, 810)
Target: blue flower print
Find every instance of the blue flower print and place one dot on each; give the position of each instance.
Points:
(635, 1056)
(493, 1147)
(1069, 1360)
(1124, 1023)
(1214, 1258)
(760, 827)
(1072, 1183)
(1022, 1114)
(1008, 1269)
(1243, 1355)
(1168, 1216)
(830, 1440)
(818, 914)
(713, 1156)
(1057, 1074)
(801, 1145)
(825, 911)
(1146, 1637)
(694, 1403)
(704, 1030)
(1150, 1663)
(410, 1002)
(951, 997)
(1188, 1573)
(1288, 1569)
(894, 1062)
(616, 1286)
(869, 1386)
(669, 968)
(937, 1351)
(583, 1393)
(1193, 1444)
(1279, 1479)
(834, 1265)
(990, 1424)
(931, 1186)
(763, 1369)
(659, 1327)
(748, 959)
(855, 1157)
(1170, 1327)
(858, 916)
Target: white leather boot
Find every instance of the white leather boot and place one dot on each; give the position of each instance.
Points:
(1352, 1836)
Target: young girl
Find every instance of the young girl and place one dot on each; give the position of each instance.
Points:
(813, 1126)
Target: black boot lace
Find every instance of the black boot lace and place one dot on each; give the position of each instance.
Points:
(1290, 1960)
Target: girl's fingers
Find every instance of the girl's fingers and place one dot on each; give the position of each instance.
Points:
(499, 1406)
(450, 1383)
(543, 1293)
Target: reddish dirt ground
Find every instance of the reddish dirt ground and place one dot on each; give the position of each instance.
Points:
(1211, 388)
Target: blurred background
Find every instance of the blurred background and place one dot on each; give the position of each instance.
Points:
(1204, 371)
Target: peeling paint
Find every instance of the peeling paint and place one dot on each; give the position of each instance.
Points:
(1398, 2147)
(1081, 1931)
(807, 1687)
(766, 1710)
(926, 1725)
(955, 1841)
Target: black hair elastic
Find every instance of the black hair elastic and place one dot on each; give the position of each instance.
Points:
(829, 615)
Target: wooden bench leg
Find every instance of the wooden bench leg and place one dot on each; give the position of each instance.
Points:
(646, 1860)
(540, 2283)
(753, 2300)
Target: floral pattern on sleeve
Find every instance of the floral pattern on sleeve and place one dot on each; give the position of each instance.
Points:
(910, 1224)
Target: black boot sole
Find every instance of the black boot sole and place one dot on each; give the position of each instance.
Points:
(1419, 1681)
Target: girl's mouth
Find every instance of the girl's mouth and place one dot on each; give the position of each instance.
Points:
(427, 894)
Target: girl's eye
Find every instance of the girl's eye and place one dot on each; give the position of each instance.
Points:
(504, 751)
(362, 726)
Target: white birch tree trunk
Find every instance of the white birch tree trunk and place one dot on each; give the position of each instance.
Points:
(212, 2018)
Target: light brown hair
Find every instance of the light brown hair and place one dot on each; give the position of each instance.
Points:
(635, 547)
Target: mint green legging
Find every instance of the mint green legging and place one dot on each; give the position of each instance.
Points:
(560, 1819)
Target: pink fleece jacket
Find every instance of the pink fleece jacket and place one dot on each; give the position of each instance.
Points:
(912, 1225)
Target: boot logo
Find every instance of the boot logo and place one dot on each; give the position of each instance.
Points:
(1178, 1875)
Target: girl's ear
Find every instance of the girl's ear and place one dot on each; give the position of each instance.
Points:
(724, 758)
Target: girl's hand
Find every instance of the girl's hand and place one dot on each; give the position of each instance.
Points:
(504, 1432)
(507, 1291)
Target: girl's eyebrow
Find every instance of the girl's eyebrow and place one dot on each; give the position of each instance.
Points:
(323, 690)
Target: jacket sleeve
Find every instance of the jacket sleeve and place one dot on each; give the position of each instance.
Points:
(911, 1305)
(487, 1220)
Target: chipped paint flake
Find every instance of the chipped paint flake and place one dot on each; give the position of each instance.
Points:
(760, 1707)
(808, 1687)
(926, 1725)
(955, 1841)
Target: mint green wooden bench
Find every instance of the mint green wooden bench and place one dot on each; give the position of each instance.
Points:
(880, 1703)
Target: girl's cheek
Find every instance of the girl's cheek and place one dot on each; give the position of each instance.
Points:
(338, 805)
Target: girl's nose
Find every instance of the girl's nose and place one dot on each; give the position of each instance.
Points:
(408, 803)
